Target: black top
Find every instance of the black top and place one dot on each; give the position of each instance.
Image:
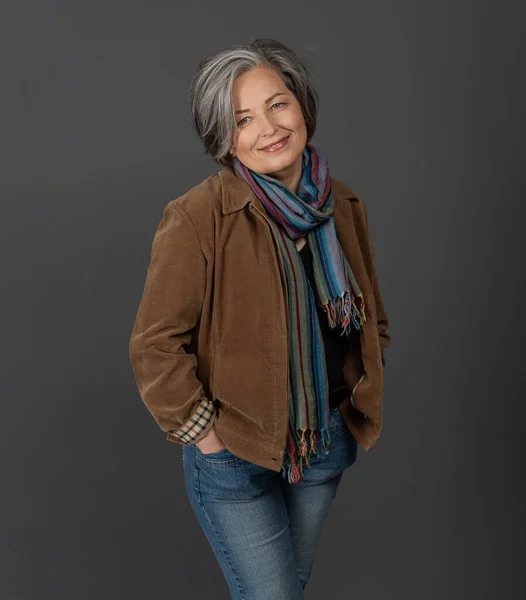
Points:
(336, 347)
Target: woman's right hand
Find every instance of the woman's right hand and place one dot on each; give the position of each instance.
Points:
(211, 442)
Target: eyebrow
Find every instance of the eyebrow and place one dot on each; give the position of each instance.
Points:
(243, 110)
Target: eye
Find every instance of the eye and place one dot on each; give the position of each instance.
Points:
(276, 104)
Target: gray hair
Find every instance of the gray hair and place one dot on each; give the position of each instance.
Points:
(210, 102)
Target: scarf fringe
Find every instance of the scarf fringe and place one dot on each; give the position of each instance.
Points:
(344, 310)
(299, 452)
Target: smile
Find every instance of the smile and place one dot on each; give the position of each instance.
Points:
(277, 146)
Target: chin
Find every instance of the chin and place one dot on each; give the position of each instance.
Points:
(276, 167)
(287, 160)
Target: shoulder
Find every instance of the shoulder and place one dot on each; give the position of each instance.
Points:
(203, 198)
(344, 191)
(195, 211)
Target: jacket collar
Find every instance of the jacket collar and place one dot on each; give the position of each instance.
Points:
(236, 193)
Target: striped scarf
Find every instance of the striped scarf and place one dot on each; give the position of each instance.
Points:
(309, 212)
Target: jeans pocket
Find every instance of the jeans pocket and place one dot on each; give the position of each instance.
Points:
(220, 457)
(337, 421)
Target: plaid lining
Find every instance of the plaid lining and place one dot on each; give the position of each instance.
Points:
(197, 424)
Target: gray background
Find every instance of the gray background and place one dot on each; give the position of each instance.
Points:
(422, 113)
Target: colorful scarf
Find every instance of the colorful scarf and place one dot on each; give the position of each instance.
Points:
(292, 215)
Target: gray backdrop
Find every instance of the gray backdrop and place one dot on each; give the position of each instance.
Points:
(422, 113)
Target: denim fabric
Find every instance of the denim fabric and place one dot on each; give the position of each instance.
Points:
(263, 531)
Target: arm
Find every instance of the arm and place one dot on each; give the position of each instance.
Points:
(383, 320)
(169, 309)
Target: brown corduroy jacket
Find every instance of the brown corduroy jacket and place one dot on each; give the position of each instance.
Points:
(209, 346)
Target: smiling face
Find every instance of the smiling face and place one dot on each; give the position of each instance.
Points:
(267, 111)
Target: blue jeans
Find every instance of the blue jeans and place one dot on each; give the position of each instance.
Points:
(262, 529)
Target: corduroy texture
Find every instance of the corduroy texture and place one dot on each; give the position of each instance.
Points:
(309, 212)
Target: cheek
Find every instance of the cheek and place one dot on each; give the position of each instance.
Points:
(300, 121)
(295, 120)
(246, 141)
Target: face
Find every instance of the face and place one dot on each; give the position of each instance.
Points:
(266, 111)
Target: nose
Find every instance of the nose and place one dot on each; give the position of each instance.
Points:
(268, 127)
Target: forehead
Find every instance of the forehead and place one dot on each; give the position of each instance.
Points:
(258, 81)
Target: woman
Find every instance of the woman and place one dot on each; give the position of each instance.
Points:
(258, 343)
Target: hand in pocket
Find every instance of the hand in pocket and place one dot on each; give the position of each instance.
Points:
(211, 442)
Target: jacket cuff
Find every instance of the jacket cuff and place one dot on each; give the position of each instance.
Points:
(197, 426)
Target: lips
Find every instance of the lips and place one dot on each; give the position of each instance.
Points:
(274, 143)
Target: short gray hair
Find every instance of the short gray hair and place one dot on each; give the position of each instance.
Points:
(210, 102)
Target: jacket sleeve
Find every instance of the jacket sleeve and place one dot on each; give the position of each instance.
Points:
(169, 309)
(383, 320)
